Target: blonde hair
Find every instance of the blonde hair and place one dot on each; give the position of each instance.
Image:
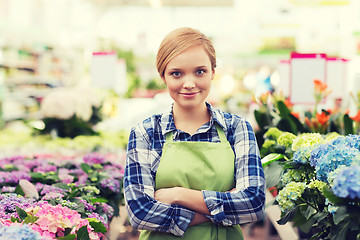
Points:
(178, 41)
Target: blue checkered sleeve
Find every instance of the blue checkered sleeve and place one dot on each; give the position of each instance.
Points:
(144, 211)
(246, 204)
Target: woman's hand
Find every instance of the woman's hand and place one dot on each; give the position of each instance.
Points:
(189, 198)
(167, 195)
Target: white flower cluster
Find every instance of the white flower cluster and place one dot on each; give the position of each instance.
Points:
(63, 103)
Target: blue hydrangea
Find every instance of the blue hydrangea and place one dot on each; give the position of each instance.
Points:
(20, 232)
(347, 183)
(328, 157)
(353, 141)
(302, 155)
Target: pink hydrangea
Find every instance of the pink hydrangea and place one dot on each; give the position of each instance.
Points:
(53, 220)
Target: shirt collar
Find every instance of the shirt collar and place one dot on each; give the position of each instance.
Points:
(168, 125)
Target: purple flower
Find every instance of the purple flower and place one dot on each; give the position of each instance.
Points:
(13, 177)
(45, 168)
(8, 203)
(112, 184)
(109, 210)
(50, 188)
(94, 158)
(88, 206)
(7, 189)
(98, 217)
(52, 195)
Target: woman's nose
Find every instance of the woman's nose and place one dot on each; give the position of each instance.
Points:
(189, 82)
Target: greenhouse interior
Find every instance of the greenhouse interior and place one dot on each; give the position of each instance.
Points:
(80, 86)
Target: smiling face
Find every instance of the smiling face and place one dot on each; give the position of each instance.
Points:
(188, 77)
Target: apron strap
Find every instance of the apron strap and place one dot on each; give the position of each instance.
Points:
(220, 132)
(169, 136)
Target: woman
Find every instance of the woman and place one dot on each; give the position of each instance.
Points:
(195, 171)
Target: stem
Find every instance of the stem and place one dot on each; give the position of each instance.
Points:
(311, 205)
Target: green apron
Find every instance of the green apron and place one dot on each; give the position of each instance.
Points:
(199, 166)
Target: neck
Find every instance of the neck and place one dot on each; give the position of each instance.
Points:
(190, 119)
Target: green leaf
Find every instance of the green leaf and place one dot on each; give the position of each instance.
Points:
(340, 215)
(273, 174)
(67, 237)
(272, 157)
(86, 168)
(13, 219)
(73, 194)
(83, 234)
(306, 226)
(320, 216)
(298, 124)
(19, 190)
(332, 197)
(348, 125)
(99, 200)
(98, 226)
(283, 109)
(287, 217)
(340, 231)
(287, 125)
(22, 214)
(30, 219)
(37, 176)
(310, 211)
(62, 186)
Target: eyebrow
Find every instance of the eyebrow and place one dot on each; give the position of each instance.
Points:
(178, 69)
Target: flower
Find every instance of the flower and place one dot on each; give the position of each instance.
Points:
(268, 143)
(94, 158)
(347, 183)
(53, 220)
(302, 155)
(322, 118)
(295, 175)
(288, 196)
(306, 140)
(356, 118)
(64, 103)
(273, 133)
(319, 86)
(9, 202)
(286, 139)
(13, 177)
(328, 157)
(19, 232)
(316, 184)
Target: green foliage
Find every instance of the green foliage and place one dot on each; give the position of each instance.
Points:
(348, 125)
(71, 127)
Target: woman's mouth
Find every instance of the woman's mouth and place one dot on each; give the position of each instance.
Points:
(189, 95)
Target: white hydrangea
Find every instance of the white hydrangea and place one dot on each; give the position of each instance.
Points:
(63, 103)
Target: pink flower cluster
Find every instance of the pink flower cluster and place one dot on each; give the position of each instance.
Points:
(53, 220)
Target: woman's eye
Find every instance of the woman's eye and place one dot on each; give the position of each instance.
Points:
(200, 72)
(175, 74)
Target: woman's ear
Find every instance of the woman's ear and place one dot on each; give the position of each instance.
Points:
(212, 74)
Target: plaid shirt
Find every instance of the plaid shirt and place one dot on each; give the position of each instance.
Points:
(144, 150)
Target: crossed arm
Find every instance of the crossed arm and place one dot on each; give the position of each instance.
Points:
(189, 198)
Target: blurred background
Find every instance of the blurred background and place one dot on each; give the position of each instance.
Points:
(112, 45)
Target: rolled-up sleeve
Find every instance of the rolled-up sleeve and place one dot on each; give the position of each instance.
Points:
(143, 210)
(246, 204)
